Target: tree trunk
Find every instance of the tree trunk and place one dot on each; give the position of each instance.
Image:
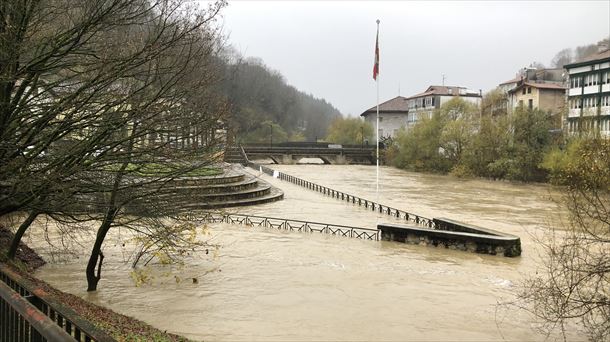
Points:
(19, 234)
(97, 257)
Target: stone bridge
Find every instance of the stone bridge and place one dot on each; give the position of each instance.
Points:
(328, 153)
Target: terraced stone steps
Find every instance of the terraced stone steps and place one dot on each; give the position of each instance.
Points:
(274, 194)
(234, 155)
(233, 188)
(201, 195)
(246, 184)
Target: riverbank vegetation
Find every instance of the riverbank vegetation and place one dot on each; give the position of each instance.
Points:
(350, 131)
(466, 141)
(573, 282)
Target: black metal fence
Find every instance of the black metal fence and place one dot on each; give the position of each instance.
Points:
(28, 313)
(368, 204)
(291, 225)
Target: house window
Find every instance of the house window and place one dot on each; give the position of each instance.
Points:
(428, 101)
(520, 103)
(523, 92)
(380, 118)
(530, 104)
(529, 90)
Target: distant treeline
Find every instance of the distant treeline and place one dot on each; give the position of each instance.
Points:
(264, 104)
(569, 55)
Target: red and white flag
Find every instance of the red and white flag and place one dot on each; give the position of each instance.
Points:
(376, 66)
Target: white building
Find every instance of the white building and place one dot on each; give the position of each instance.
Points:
(434, 97)
(392, 116)
(404, 112)
(589, 94)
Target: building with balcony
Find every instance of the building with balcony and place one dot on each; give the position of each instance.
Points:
(544, 87)
(546, 96)
(404, 112)
(589, 94)
(424, 104)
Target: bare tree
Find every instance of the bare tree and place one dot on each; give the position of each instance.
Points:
(95, 92)
(562, 58)
(574, 282)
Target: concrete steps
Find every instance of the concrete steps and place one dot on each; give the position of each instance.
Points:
(233, 188)
(233, 155)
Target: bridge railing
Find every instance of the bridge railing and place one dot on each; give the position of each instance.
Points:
(291, 225)
(305, 144)
(28, 313)
(343, 196)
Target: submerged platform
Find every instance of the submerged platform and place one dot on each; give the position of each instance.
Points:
(454, 235)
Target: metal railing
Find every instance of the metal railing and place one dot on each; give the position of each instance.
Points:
(290, 225)
(368, 204)
(29, 313)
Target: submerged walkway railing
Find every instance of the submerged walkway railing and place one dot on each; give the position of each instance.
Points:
(291, 225)
(368, 204)
(436, 232)
(29, 313)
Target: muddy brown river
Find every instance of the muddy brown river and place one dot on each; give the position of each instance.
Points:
(266, 285)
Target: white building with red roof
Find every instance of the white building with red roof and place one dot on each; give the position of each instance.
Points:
(404, 112)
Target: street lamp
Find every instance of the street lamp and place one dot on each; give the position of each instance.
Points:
(361, 136)
(271, 135)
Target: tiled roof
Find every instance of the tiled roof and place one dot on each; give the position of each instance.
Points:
(552, 86)
(397, 104)
(514, 80)
(444, 90)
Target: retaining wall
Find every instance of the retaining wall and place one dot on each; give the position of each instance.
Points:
(461, 236)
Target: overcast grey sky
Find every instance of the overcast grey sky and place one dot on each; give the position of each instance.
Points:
(327, 48)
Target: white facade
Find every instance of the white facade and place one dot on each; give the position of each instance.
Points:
(589, 96)
(401, 112)
(424, 106)
(389, 123)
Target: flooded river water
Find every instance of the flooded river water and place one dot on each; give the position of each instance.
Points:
(273, 285)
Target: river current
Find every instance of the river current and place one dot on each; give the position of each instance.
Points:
(263, 284)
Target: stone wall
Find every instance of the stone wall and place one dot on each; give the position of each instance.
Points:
(454, 235)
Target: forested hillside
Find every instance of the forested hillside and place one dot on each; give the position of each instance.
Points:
(260, 98)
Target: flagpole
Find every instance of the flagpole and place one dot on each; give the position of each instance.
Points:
(377, 126)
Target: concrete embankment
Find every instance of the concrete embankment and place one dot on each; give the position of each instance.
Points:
(454, 235)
